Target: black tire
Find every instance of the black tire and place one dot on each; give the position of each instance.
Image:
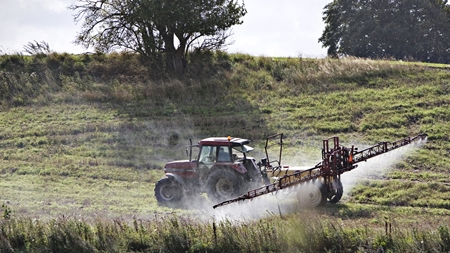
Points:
(312, 194)
(167, 190)
(224, 184)
(337, 193)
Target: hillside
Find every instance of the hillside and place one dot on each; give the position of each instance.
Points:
(87, 135)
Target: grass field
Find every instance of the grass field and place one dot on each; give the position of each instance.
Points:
(83, 139)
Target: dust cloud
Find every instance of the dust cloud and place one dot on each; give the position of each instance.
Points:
(278, 203)
(284, 201)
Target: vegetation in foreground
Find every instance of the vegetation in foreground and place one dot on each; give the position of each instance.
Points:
(312, 231)
(86, 136)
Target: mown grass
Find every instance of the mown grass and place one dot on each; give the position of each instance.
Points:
(86, 136)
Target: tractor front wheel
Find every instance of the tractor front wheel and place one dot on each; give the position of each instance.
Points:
(223, 184)
(312, 194)
(167, 190)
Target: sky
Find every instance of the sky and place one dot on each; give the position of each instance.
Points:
(283, 28)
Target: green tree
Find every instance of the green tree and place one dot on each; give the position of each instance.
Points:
(163, 31)
(400, 29)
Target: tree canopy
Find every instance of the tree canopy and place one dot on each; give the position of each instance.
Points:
(400, 29)
(163, 31)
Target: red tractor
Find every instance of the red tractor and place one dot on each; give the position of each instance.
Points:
(222, 169)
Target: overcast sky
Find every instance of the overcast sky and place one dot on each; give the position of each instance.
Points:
(270, 28)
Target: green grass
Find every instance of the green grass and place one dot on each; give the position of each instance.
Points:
(320, 231)
(85, 137)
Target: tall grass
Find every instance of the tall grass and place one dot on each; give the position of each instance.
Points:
(298, 233)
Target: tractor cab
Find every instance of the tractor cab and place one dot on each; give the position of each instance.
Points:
(222, 152)
(221, 168)
(223, 149)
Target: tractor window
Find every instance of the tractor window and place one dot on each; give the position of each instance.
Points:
(208, 154)
(195, 151)
(243, 148)
(192, 152)
(224, 154)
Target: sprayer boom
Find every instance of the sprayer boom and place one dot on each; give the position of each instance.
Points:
(336, 160)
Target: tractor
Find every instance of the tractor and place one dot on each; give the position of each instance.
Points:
(217, 166)
(223, 170)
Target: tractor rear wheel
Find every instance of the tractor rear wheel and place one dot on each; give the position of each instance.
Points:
(223, 184)
(312, 194)
(167, 190)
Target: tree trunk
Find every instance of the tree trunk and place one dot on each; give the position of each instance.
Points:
(175, 57)
(175, 61)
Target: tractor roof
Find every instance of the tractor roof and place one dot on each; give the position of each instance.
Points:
(224, 141)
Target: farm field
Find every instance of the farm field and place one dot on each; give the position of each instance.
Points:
(83, 143)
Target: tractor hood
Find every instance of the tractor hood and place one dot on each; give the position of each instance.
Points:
(181, 164)
(183, 168)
